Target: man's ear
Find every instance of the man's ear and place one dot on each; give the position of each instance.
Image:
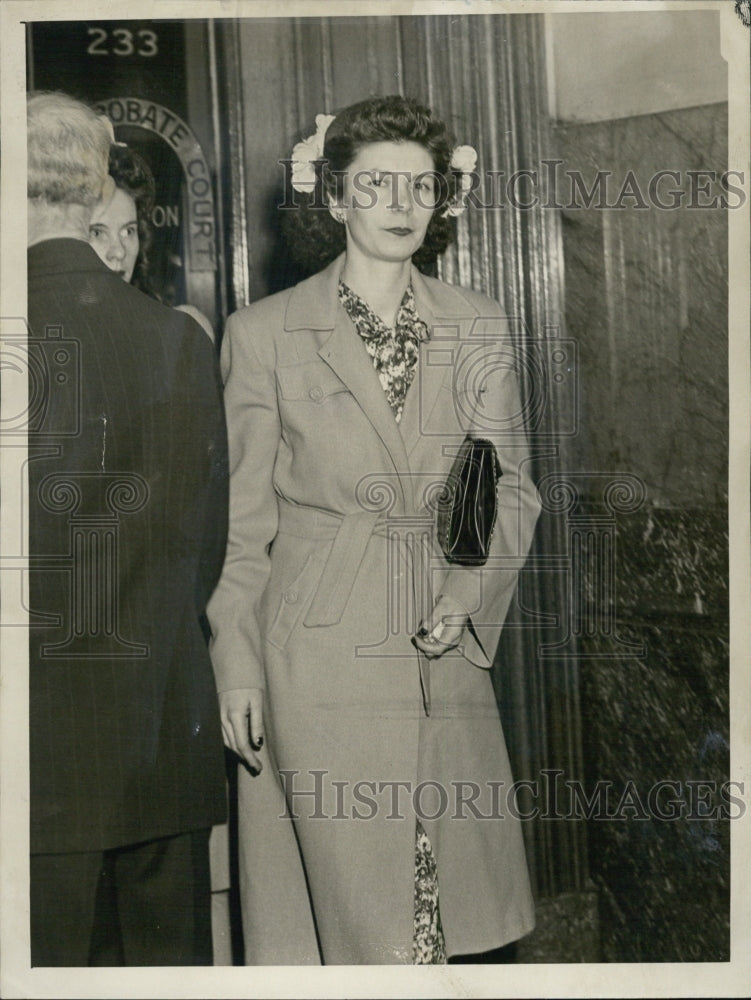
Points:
(108, 190)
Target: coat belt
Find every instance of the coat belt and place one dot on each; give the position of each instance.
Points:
(350, 534)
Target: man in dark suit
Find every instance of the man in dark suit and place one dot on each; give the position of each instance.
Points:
(127, 521)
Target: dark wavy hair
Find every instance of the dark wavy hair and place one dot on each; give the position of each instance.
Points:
(133, 175)
(313, 238)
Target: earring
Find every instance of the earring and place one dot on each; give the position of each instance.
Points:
(339, 215)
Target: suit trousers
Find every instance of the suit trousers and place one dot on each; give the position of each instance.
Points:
(138, 905)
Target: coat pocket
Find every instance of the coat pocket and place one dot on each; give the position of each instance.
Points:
(310, 381)
(292, 602)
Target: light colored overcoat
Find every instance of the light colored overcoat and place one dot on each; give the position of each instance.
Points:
(331, 563)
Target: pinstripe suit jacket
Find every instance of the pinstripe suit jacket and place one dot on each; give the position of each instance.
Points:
(127, 522)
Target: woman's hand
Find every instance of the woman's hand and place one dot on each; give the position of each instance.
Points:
(442, 629)
(241, 712)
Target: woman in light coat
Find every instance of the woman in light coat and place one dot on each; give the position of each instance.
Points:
(352, 660)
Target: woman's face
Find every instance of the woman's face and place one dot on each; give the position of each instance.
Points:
(389, 195)
(113, 233)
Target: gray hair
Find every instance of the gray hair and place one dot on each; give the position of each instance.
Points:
(68, 147)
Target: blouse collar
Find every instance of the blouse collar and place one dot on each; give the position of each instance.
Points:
(370, 325)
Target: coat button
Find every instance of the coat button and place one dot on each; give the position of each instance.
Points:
(290, 596)
(316, 393)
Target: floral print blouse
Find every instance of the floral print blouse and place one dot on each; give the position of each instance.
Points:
(394, 350)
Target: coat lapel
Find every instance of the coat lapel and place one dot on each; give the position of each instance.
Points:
(314, 305)
(345, 354)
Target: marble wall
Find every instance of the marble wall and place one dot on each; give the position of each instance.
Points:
(662, 864)
(646, 301)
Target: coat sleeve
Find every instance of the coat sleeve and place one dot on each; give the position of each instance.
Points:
(254, 430)
(494, 410)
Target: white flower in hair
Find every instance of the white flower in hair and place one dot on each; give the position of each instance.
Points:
(305, 154)
(463, 161)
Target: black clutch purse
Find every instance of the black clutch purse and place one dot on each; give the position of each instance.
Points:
(468, 507)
